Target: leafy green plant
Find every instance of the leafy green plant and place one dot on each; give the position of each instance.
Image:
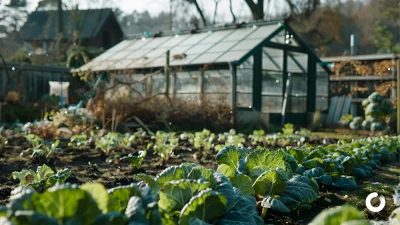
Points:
(105, 144)
(79, 141)
(164, 144)
(40, 147)
(191, 193)
(376, 109)
(258, 137)
(88, 204)
(346, 119)
(42, 179)
(341, 215)
(134, 160)
(203, 140)
(288, 129)
(269, 175)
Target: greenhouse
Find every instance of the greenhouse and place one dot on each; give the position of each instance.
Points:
(262, 69)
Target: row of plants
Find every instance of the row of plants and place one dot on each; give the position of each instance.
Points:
(288, 178)
(377, 111)
(281, 180)
(163, 143)
(185, 194)
(350, 215)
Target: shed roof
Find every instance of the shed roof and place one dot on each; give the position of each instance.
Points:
(369, 57)
(42, 25)
(207, 47)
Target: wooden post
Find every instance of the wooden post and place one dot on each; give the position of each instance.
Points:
(103, 117)
(113, 121)
(285, 99)
(233, 91)
(173, 86)
(166, 72)
(398, 96)
(201, 84)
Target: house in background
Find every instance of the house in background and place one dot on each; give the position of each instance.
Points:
(98, 28)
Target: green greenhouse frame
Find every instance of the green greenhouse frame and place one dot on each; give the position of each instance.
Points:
(263, 70)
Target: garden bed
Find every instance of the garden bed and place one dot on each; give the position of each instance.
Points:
(90, 165)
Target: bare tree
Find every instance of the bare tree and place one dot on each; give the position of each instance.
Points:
(257, 9)
(231, 10)
(216, 9)
(199, 10)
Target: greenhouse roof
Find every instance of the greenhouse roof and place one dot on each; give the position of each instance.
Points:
(206, 47)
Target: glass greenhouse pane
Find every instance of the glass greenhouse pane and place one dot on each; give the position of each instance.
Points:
(156, 42)
(85, 67)
(246, 45)
(122, 64)
(285, 38)
(187, 82)
(263, 32)
(156, 52)
(137, 54)
(157, 62)
(239, 34)
(244, 84)
(298, 84)
(198, 49)
(297, 62)
(219, 98)
(244, 100)
(222, 47)
(120, 55)
(188, 97)
(122, 46)
(185, 61)
(321, 103)
(272, 59)
(157, 83)
(216, 37)
(297, 104)
(138, 44)
(231, 56)
(194, 39)
(214, 81)
(104, 56)
(272, 84)
(271, 104)
(174, 41)
(206, 58)
(103, 66)
(178, 50)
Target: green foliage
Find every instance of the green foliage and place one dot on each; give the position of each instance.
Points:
(341, 215)
(51, 100)
(134, 160)
(188, 191)
(346, 119)
(164, 144)
(288, 129)
(79, 141)
(40, 147)
(21, 56)
(89, 204)
(42, 179)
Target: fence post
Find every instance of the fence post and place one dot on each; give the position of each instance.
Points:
(398, 96)
(166, 71)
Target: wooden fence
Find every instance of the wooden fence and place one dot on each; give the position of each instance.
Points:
(32, 81)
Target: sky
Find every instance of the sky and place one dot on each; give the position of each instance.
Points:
(154, 7)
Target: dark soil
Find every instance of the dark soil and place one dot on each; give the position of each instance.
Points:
(89, 165)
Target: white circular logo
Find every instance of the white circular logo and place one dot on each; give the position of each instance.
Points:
(372, 208)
